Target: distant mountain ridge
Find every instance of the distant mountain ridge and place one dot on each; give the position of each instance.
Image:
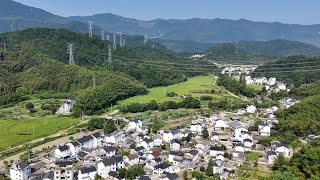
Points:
(15, 16)
(207, 30)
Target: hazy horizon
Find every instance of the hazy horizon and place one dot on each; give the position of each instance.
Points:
(299, 12)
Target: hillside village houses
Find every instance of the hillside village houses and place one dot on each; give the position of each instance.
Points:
(99, 153)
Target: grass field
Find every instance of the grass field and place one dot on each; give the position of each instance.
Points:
(257, 87)
(15, 132)
(193, 84)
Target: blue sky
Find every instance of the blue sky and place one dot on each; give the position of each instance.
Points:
(287, 11)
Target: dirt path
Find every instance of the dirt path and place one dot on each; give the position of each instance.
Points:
(230, 93)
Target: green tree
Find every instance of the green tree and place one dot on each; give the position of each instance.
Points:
(205, 133)
(109, 127)
(209, 170)
(283, 175)
(30, 107)
(189, 137)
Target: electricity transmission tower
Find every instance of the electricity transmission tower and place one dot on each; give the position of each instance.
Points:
(120, 34)
(237, 47)
(145, 39)
(70, 52)
(102, 36)
(4, 45)
(90, 29)
(109, 56)
(124, 42)
(108, 37)
(114, 41)
(94, 81)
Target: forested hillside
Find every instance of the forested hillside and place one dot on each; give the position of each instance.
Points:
(279, 47)
(26, 74)
(228, 53)
(150, 65)
(36, 62)
(295, 70)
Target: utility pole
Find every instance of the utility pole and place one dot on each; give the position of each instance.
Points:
(90, 29)
(70, 52)
(102, 35)
(152, 44)
(114, 41)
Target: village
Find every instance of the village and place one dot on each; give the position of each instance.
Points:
(221, 141)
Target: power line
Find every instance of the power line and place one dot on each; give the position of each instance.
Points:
(70, 52)
(167, 63)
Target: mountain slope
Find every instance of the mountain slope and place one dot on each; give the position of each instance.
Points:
(279, 47)
(207, 30)
(15, 16)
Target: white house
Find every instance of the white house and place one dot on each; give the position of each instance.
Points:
(115, 137)
(87, 173)
(264, 129)
(215, 136)
(216, 150)
(161, 168)
(64, 170)
(62, 152)
(280, 148)
(218, 166)
(131, 159)
(110, 164)
(134, 125)
(157, 141)
(167, 136)
(196, 128)
(147, 144)
(220, 125)
(248, 143)
(87, 142)
(97, 139)
(271, 156)
(174, 145)
(173, 154)
(109, 151)
(239, 148)
(176, 133)
(20, 171)
(105, 166)
(251, 109)
(74, 148)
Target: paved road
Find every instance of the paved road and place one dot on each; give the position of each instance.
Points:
(56, 142)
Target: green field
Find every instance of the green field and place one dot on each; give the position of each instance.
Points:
(15, 132)
(193, 84)
(257, 87)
